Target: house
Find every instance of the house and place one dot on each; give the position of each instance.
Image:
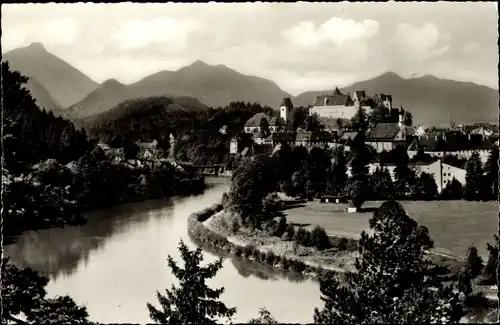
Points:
(276, 138)
(386, 136)
(384, 99)
(484, 132)
(240, 141)
(257, 123)
(233, 145)
(443, 173)
(316, 138)
(460, 146)
(277, 124)
(254, 150)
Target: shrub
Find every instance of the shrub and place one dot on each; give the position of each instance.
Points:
(235, 225)
(270, 257)
(270, 227)
(289, 232)
(248, 250)
(225, 200)
(298, 266)
(281, 227)
(320, 239)
(238, 250)
(303, 237)
(256, 254)
(285, 262)
(344, 244)
(277, 259)
(262, 257)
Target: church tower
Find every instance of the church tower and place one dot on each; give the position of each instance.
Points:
(286, 110)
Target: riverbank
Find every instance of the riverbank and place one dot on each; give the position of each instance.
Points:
(55, 195)
(212, 227)
(267, 254)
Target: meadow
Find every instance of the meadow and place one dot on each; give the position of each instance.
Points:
(453, 225)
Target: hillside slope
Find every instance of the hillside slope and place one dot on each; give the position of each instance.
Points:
(42, 96)
(66, 84)
(431, 100)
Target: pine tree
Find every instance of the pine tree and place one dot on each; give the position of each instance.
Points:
(474, 262)
(394, 283)
(338, 175)
(193, 302)
(491, 169)
(473, 178)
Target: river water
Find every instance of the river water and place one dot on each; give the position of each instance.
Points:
(116, 262)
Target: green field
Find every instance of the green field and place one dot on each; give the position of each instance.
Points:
(453, 225)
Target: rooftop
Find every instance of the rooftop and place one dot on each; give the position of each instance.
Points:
(383, 131)
(257, 120)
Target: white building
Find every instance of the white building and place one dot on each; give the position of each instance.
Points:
(443, 173)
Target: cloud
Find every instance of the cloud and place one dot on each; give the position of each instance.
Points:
(136, 34)
(471, 48)
(415, 45)
(335, 30)
(54, 32)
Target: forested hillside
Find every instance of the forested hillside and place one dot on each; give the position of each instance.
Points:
(195, 126)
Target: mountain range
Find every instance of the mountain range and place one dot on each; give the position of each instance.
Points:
(58, 86)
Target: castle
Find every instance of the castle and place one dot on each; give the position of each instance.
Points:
(338, 105)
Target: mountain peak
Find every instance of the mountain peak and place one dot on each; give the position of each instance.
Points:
(390, 74)
(112, 81)
(199, 63)
(37, 46)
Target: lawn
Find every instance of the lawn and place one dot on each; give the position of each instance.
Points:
(453, 225)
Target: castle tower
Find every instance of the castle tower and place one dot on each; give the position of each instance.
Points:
(286, 110)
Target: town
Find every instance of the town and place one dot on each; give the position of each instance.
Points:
(441, 152)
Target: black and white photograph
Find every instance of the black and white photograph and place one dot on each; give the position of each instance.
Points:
(250, 163)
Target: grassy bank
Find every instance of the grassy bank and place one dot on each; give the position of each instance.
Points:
(453, 225)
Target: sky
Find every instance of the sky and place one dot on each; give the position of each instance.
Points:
(300, 46)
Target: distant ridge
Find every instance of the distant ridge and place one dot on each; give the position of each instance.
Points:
(66, 84)
(430, 99)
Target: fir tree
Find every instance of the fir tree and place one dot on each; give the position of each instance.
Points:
(193, 302)
(394, 282)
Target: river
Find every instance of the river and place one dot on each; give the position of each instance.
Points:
(116, 262)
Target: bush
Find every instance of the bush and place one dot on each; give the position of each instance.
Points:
(344, 244)
(298, 266)
(289, 232)
(270, 258)
(235, 225)
(286, 263)
(262, 257)
(281, 227)
(256, 254)
(303, 237)
(320, 239)
(238, 250)
(356, 191)
(248, 250)
(225, 200)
